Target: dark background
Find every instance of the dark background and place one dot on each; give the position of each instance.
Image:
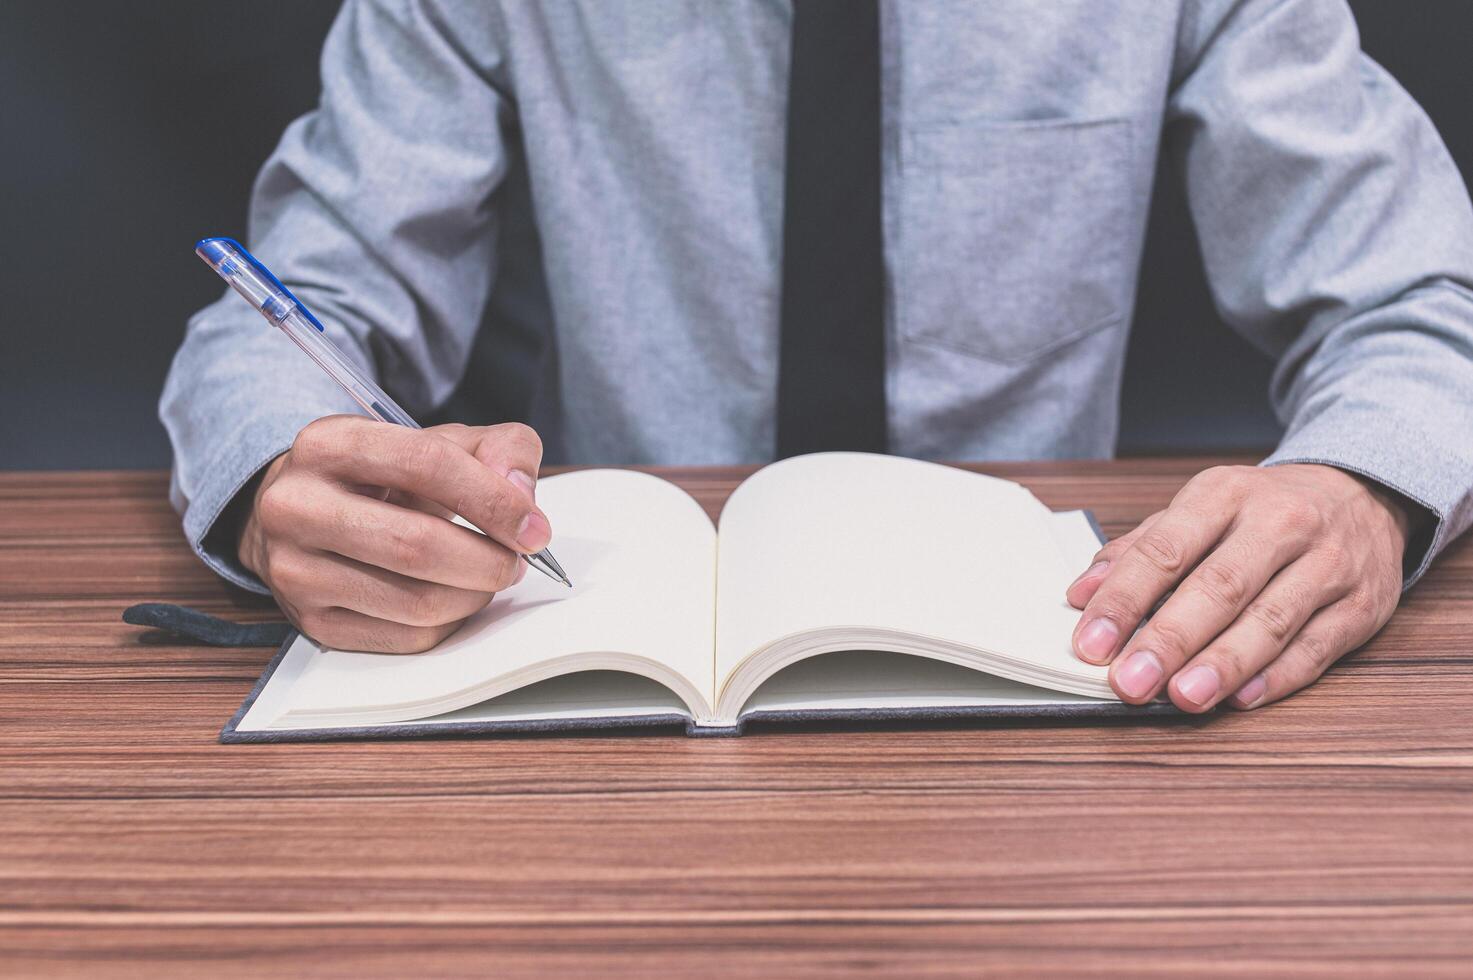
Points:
(131, 130)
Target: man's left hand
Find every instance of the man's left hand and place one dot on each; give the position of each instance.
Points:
(1270, 575)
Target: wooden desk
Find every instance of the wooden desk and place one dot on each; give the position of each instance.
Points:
(1330, 834)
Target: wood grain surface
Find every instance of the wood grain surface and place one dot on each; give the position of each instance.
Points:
(1331, 834)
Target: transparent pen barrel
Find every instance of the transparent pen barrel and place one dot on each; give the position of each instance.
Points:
(367, 394)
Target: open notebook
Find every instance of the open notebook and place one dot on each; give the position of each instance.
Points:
(840, 585)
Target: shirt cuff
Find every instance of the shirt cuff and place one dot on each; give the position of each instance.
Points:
(230, 469)
(1398, 454)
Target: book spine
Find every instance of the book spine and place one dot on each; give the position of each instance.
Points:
(714, 731)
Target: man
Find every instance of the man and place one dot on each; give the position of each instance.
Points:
(922, 236)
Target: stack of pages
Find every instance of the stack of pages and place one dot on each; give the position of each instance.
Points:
(838, 586)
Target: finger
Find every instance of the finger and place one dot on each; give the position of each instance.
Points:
(324, 518)
(427, 464)
(1256, 638)
(344, 629)
(1153, 564)
(400, 498)
(332, 580)
(512, 450)
(1203, 606)
(1329, 634)
(1083, 588)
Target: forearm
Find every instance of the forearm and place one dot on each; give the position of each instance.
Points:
(237, 394)
(373, 209)
(1337, 235)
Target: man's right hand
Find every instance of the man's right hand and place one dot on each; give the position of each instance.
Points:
(350, 528)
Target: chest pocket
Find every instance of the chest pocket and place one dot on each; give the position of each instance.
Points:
(1012, 235)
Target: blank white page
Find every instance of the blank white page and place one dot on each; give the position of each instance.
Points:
(1078, 541)
(641, 555)
(856, 541)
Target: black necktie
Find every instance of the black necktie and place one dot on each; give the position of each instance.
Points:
(831, 368)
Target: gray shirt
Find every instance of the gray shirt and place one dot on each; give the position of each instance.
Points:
(602, 182)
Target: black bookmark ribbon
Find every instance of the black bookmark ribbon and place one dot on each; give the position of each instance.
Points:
(191, 624)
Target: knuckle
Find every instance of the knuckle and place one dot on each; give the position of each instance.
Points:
(275, 508)
(1117, 602)
(318, 439)
(1360, 603)
(357, 443)
(1170, 638)
(1223, 584)
(1317, 648)
(524, 436)
(286, 573)
(308, 441)
(1275, 617)
(1207, 479)
(1228, 479)
(1296, 518)
(408, 542)
(424, 455)
(1161, 551)
(425, 606)
(1233, 665)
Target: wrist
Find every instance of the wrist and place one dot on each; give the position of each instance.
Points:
(250, 543)
(1397, 506)
(1413, 523)
(1408, 515)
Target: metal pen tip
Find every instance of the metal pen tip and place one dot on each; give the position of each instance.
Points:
(547, 565)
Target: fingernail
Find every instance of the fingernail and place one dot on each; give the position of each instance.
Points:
(1097, 640)
(534, 533)
(524, 481)
(1252, 692)
(1098, 568)
(521, 572)
(1139, 674)
(1198, 684)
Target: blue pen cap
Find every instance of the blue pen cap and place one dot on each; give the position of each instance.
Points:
(215, 250)
(247, 276)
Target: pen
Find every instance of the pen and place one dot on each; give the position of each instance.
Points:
(247, 276)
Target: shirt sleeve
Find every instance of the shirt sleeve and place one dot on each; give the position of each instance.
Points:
(1337, 235)
(375, 211)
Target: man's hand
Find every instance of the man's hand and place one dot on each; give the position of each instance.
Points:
(1277, 571)
(349, 528)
